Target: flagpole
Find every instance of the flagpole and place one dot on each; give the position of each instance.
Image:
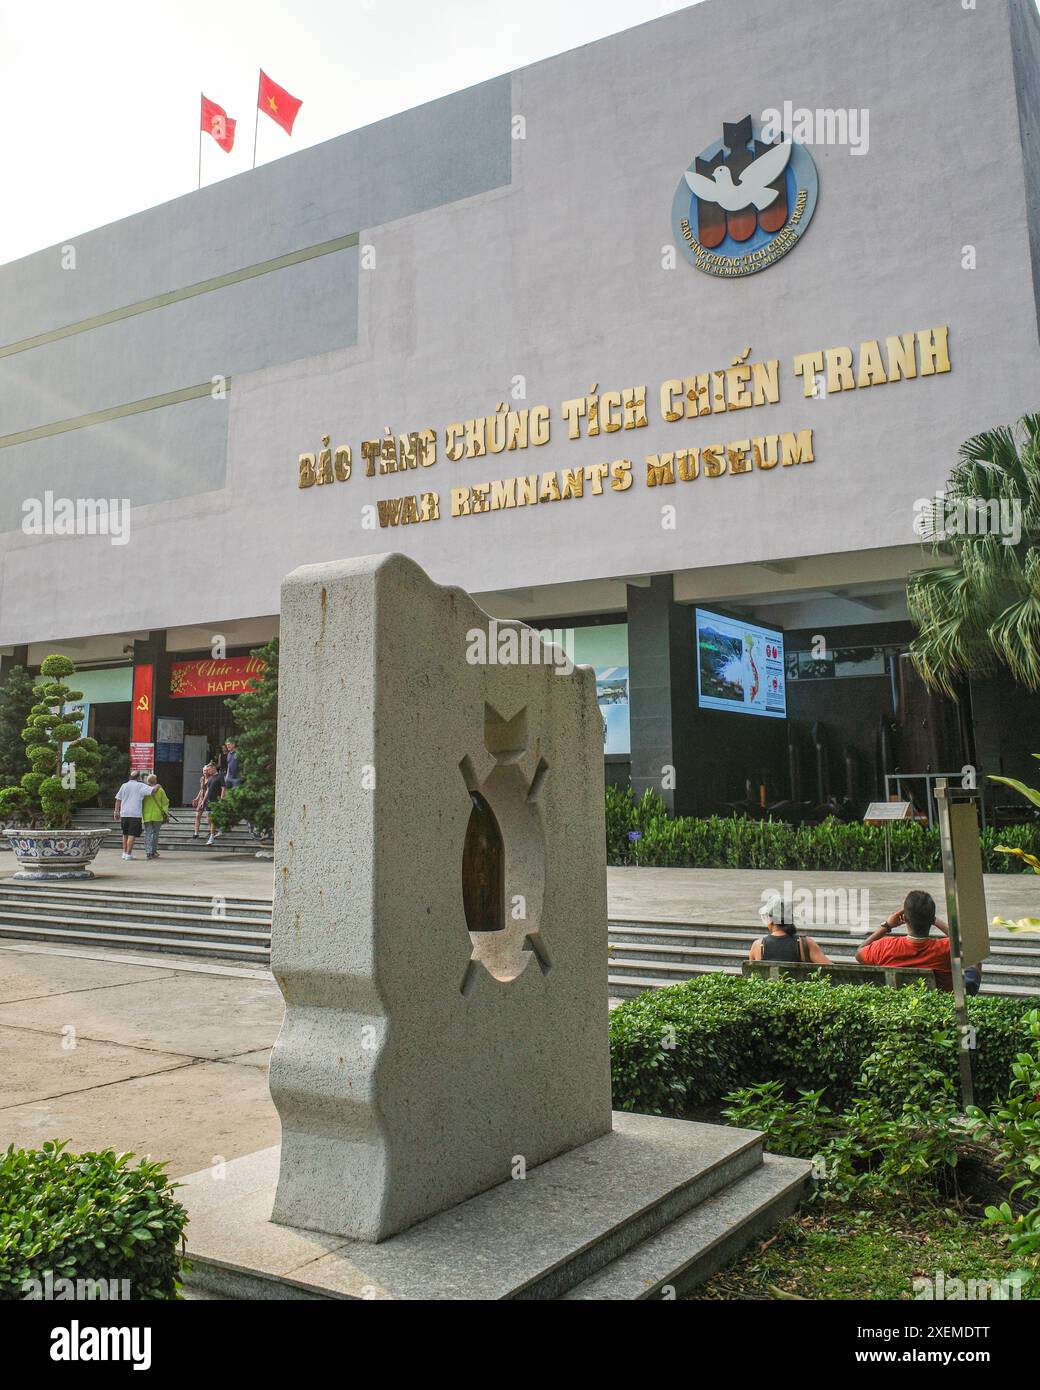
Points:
(201, 96)
(256, 114)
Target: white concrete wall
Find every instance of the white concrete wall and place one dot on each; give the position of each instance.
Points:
(557, 276)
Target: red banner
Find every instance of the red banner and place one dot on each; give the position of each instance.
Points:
(232, 675)
(141, 719)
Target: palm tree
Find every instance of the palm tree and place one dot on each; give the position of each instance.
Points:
(981, 612)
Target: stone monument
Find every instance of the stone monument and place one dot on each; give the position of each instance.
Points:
(440, 938)
(440, 912)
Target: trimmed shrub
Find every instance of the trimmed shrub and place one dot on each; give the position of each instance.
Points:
(692, 1044)
(642, 832)
(89, 1217)
(43, 797)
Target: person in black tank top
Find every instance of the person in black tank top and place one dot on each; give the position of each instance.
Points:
(782, 941)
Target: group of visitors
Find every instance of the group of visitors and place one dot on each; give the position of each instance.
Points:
(143, 806)
(917, 950)
(216, 781)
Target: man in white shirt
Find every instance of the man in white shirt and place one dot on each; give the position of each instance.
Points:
(129, 801)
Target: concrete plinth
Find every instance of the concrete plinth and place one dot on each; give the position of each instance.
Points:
(652, 1206)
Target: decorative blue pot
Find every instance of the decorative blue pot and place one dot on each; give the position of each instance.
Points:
(49, 855)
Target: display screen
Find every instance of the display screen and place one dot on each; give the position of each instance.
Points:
(740, 666)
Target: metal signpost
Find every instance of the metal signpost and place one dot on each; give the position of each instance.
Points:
(883, 813)
(965, 905)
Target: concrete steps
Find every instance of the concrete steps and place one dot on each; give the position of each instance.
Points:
(642, 955)
(702, 1242)
(651, 955)
(177, 834)
(187, 924)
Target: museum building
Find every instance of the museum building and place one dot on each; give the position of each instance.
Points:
(661, 345)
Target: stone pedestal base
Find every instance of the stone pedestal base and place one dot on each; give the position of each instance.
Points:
(50, 875)
(654, 1206)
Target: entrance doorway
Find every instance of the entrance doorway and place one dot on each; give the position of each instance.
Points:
(207, 724)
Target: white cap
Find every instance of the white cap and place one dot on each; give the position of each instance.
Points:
(778, 909)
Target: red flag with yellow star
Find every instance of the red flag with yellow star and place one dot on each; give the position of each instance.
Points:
(277, 103)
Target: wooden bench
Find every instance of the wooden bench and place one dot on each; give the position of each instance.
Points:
(843, 972)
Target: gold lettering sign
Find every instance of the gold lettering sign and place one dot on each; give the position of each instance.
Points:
(742, 385)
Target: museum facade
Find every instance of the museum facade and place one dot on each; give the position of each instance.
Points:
(659, 345)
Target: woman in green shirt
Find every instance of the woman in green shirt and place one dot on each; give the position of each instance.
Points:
(156, 810)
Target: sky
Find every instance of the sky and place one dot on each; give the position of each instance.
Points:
(102, 98)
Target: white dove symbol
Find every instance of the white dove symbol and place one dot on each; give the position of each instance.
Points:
(752, 186)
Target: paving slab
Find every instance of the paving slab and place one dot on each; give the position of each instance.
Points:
(260, 1058)
(189, 1014)
(35, 974)
(188, 1117)
(151, 962)
(43, 1066)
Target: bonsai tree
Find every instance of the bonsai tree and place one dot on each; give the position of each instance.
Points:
(17, 697)
(57, 781)
(256, 723)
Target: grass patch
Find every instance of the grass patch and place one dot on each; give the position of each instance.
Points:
(828, 1251)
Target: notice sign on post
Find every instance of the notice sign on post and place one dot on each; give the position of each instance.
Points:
(169, 740)
(880, 811)
(965, 906)
(142, 757)
(972, 918)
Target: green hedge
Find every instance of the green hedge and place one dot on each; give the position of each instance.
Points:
(691, 1044)
(642, 832)
(89, 1217)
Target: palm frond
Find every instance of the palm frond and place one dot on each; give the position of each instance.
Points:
(982, 610)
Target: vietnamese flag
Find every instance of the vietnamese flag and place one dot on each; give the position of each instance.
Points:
(276, 102)
(217, 122)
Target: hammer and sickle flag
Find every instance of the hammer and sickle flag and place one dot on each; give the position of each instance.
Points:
(217, 122)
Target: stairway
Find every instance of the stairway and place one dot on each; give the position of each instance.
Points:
(649, 955)
(177, 834)
(180, 923)
(641, 955)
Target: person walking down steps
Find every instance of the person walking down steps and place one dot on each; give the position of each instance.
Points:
(214, 791)
(199, 803)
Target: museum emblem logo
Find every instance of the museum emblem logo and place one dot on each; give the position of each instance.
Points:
(742, 205)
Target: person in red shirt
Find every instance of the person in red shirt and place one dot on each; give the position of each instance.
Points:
(918, 948)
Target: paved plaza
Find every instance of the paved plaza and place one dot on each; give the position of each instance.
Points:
(722, 896)
(169, 1056)
(159, 1059)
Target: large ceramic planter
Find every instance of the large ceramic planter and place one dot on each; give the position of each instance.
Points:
(50, 855)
